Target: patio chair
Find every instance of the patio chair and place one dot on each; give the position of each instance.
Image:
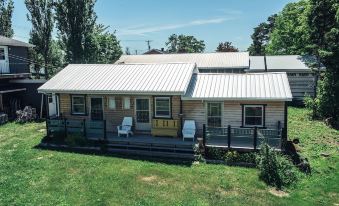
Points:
(188, 131)
(126, 127)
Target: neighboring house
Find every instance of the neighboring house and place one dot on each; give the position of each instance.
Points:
(300, 75)
(16, 89)
(156, 51)
(221, 62)
(160, 97)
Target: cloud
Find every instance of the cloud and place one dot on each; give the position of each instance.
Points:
(142, 30)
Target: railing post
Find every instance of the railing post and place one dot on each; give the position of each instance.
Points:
(105, 134)
(204, 134)
(47, 126)
(65, 123)
(229, 136)
(255, 138)
(84, 122)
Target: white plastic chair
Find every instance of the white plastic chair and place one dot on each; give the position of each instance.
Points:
(189, 129)
(126, 127)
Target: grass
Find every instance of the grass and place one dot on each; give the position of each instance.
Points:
(32, 176)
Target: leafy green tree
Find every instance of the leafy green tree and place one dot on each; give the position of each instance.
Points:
(291, 33)
(261, 36)
(41, 16)
(6, 12)
(323, 20)
(76, 23)
(105, 47)
(226, 47)
(184, 44)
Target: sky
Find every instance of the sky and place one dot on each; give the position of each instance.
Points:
(136, 21)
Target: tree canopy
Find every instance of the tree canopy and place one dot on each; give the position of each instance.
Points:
(226, 47)
(6, 12)
(184, 44)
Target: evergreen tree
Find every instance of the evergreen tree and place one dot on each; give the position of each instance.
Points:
(6, 11)
(184, 44)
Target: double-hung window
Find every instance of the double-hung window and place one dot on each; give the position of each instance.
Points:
(78, 104)
(111, 103)
(214, 114)
(253, 115)
(162, 107)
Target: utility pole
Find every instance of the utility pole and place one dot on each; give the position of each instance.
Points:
(148, 44)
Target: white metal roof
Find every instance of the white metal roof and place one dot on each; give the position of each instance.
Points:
(203, 60)
(121, 79)
(288, 63)
(5, 41)
(249, 86)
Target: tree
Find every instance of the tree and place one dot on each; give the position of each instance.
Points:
(261, 36)
(226, 47)
(41, 16)
(104, 46)
(184, 44)
(6, 11)
(291, 34)
(127, 51)
(323, 20)
(76, 23)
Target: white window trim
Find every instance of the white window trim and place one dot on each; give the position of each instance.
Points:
(222, 112)
(124, 99)
(155, 107)
(262, 115)
(79, 113)
(109, 105)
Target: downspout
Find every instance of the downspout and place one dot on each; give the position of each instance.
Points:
(285, 126)
(181, 117)
(265, 63)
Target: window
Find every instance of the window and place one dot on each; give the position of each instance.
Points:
(111, 103)
(126, 103)
(78, 104)
(2, 54)
(253, 115)
(214, 114)
(292, 74)
(163, 107)
(50, 99)
(303, 74)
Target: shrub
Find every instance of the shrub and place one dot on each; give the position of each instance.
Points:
(76, 140)
(275, 169)
(234, 157)
(215, 153)
(198, 156)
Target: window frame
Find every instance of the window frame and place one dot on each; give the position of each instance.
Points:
(85, 106)
(263, 114)
(169, 116)
(221, 113)
(124, 100)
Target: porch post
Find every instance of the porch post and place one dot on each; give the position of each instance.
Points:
(181, 117)
(204, 134)
(1, 104)
(229, 136)
(105, 132)
(255, 138)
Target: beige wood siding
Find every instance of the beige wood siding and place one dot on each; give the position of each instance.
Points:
(115, 116)
(232, 113)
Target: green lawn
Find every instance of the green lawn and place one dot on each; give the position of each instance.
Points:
(30, 176)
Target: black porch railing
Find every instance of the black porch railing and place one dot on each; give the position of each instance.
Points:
(247, 138)
(86, 128)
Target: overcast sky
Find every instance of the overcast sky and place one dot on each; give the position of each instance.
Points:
(136, 21)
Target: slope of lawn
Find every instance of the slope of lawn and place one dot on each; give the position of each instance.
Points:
(30, 176)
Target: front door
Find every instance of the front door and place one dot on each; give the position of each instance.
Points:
(4, 66)
(97, 112)
(53, 105)
(142, 113)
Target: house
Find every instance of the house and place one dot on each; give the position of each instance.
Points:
(222, 62)
(301, 77)
(16, 88)
(155, 51)
(160, 97)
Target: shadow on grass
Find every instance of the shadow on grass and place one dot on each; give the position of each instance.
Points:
(99, 152)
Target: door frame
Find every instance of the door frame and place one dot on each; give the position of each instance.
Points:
(222, 111)
(149, 111)
(102, 106)
(6, 61)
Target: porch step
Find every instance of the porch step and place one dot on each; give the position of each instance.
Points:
(152, 149)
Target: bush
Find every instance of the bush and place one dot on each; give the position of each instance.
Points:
(215, 153)
(275, 169)
(76, 140)
(234, 157)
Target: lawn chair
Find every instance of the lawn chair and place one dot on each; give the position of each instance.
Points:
(188, 131)
(126, 127)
